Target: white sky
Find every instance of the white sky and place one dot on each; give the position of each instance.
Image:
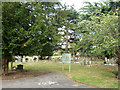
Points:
(77, 3)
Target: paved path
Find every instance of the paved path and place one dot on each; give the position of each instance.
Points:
(51, 80)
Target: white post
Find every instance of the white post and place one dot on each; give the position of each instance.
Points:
(63, 66)
(69, 67)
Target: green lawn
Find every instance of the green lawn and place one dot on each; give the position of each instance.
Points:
(99, 76)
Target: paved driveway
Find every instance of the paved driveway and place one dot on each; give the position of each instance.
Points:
(51, 80)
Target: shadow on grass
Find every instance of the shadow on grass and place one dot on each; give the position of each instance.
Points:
(23, 74)
(115, 73)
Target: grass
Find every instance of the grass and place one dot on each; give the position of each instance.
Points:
(100, 76)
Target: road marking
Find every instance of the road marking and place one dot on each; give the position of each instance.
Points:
(75, 85)
(48, 83)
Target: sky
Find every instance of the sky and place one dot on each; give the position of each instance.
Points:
(77, 3)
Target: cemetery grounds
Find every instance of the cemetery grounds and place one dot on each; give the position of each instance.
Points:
(97, 75)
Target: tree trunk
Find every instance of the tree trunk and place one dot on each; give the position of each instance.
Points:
(118, 62)
(118, 71)
(5, 66)
(66, 49)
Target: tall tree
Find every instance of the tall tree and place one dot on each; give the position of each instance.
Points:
(99, 8)
(15, 23)
(29, 29)
(70, 19)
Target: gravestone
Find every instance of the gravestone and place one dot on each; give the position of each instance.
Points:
(37, 59)
(26, 59)
(112, 61)
(19, 59)
(90, 62)
(16, 61)
(106, 59)
(34, 59)
(86, 61)
(23, 60)
(55, 59)
(31, 59)
(19, 67)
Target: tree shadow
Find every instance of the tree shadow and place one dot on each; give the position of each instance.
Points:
(115, 73)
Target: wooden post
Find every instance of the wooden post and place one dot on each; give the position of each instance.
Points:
(66, 49)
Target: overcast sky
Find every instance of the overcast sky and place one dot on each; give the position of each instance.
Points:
(77, 3)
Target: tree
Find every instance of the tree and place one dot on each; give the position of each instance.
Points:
(15, 17)
(99, 30)
(45, 28)
(95, 28)
(99, 8)
(29, 29)
(70, 18)
(99, 38)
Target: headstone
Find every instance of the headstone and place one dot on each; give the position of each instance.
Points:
(32, 59)
(86, 61)
(19, 67)
(23, 60)
(112, 61)
(77, 62)
(106, 59)
(28, 59)
(37, 59)
(16, 61)
(19, 59)
(90, 62)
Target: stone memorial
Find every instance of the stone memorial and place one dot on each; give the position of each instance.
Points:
(19, 58)
(90, 62)
(19, 67)
(23, 60)
(16, 61)
(112, 61)
(26, 59)
(105, 59)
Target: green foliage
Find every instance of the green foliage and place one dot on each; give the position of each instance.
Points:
(99, 29)
(99, 8)
(30, 28)
(14, 28)
(100, 38)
